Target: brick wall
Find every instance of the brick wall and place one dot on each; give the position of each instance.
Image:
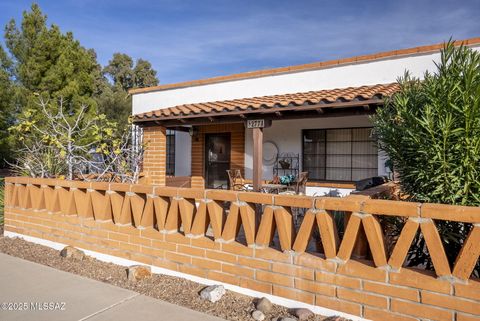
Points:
(143, 223)
(154, 164)
(237, 157)
(154, 158)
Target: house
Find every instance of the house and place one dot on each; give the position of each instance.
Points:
(308, 118)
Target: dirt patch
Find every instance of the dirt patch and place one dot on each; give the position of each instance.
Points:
(232, 306)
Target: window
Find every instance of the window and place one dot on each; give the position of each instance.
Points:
(347, 154)
(170, 152)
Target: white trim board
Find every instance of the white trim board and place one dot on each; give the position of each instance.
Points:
(158, 270)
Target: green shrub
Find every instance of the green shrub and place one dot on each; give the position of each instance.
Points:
(430, 130)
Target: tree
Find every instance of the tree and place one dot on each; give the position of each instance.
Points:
(69, 137)
(49, 62)
(6, 105)
(125, 75)
(74, 146)
(144, 75)
(44, 63)
(430, 130)
(116, 105)
(120, 70)
(114, 100)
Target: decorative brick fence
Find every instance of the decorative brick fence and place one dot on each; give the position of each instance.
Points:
(165, 227)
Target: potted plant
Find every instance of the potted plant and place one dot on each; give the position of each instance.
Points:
(284, 164)
(287, 179)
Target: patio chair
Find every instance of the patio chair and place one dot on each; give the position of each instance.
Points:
(301, 184)
(275, 180)
(237, 183)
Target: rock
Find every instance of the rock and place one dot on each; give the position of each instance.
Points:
(138, 272)
(264, 305)
(258, 315)
(335, 318)
(302, 313)
(71, 252)
(212, 293)
(286, 319)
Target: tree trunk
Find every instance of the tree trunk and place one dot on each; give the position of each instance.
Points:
(70, 155)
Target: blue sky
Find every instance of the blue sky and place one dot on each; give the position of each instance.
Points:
(186, 40)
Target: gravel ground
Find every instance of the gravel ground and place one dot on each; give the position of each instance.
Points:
(232, 306)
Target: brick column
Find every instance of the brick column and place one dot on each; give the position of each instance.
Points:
(154, 158)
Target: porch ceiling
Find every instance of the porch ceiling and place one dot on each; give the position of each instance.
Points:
(322, 103)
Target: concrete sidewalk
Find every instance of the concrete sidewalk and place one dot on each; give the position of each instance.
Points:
(28, 285)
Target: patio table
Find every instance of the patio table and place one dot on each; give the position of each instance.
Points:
(273, 188)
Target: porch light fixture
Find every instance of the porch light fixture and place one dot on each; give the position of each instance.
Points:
(193, 131)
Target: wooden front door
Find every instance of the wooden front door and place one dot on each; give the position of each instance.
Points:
(217, 160)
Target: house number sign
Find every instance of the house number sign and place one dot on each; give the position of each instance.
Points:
(257, 123)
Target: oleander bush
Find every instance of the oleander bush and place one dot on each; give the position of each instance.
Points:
(430, 130)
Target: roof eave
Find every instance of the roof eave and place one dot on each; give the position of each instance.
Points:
(278, 113)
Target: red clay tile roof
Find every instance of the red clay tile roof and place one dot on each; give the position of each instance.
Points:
(330, 96)
(310, 66)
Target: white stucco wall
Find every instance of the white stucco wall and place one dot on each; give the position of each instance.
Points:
(290, 141)
(358, 74)
(328, 191)
(286, 140)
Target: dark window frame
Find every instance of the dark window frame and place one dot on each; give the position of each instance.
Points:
(170, 153)
(351, 154)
